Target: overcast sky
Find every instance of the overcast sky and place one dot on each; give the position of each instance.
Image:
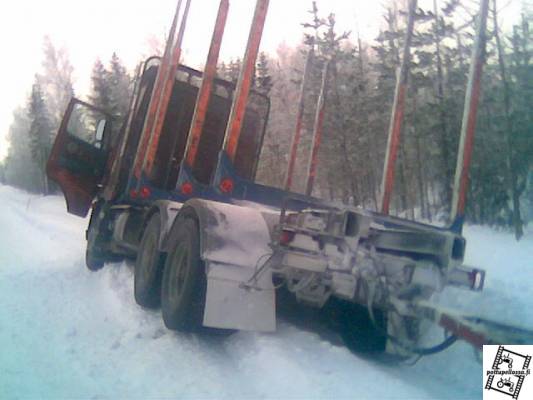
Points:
(95, 28)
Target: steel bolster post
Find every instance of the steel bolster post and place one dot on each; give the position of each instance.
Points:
(110, 189)
(154, 100)
(317, 134)
(299, 119)
(168, 85)
(238, 108)
(150, 118)
(204, 95)
(398, 109)
(468, 126)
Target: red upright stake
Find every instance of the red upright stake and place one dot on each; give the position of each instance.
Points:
(111, 186)
(299, 119)
(154, 100)
(317, 134)
(168, 85)
(238, 108)
(202, 102)
(468, 126)
(398, 109)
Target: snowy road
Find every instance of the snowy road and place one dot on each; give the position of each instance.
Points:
(69, 333)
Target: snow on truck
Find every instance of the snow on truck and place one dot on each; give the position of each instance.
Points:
(174, 189)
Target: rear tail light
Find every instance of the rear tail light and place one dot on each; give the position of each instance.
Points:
(145, 192)
(286, 237)
(226, 185)
(187, 188)
(133, 193)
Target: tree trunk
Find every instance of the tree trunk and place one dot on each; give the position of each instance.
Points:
(445, 153)
(44, 177)
(512, 177)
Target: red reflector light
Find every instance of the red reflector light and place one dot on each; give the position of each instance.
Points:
(286, 237)
(187, 188)
(133, 193)
(226, 185)
(145, 192)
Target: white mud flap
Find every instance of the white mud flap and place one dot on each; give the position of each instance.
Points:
(232, 305)
(235, 243)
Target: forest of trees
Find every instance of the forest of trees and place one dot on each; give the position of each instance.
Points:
(359, 100)
(361, 79)
(35, 124)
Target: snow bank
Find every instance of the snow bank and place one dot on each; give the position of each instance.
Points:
(69, 333)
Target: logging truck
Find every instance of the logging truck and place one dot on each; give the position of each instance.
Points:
(173, 188)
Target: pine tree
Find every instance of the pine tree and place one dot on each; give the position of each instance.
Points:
(56, 81)
(119, 82)
(284, 97)
(2, 173)
(263, 78)
(40, 133)
(508, 132)
(20, 170)
(100, 89)
(111, 90)
(222, 70)
(521, 69)
(233, 71)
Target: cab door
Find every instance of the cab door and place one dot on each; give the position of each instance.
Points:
(79, 155)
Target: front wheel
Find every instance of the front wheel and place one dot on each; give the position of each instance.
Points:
(184, 283)
(94, 254)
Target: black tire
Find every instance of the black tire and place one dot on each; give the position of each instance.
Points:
(359, 333)
(149, 266)
(184, 282)
(94, 255)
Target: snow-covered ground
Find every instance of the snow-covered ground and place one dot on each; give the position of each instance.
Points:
(68, 333)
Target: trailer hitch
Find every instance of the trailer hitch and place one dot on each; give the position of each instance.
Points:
(474, 330)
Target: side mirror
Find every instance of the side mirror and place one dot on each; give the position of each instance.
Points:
(99, 135)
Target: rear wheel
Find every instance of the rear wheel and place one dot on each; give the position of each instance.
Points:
(149, 266)
(358, 331)
(184, 280)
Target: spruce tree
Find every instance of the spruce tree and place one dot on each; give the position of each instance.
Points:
(100, 89)
(111, 90)
(56, 81)
(2, 173)
(233, 71)
(40, 133)
(263, 79)
(20, 170)
(119, 83)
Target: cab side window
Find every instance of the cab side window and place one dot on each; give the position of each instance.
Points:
(88, 125)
